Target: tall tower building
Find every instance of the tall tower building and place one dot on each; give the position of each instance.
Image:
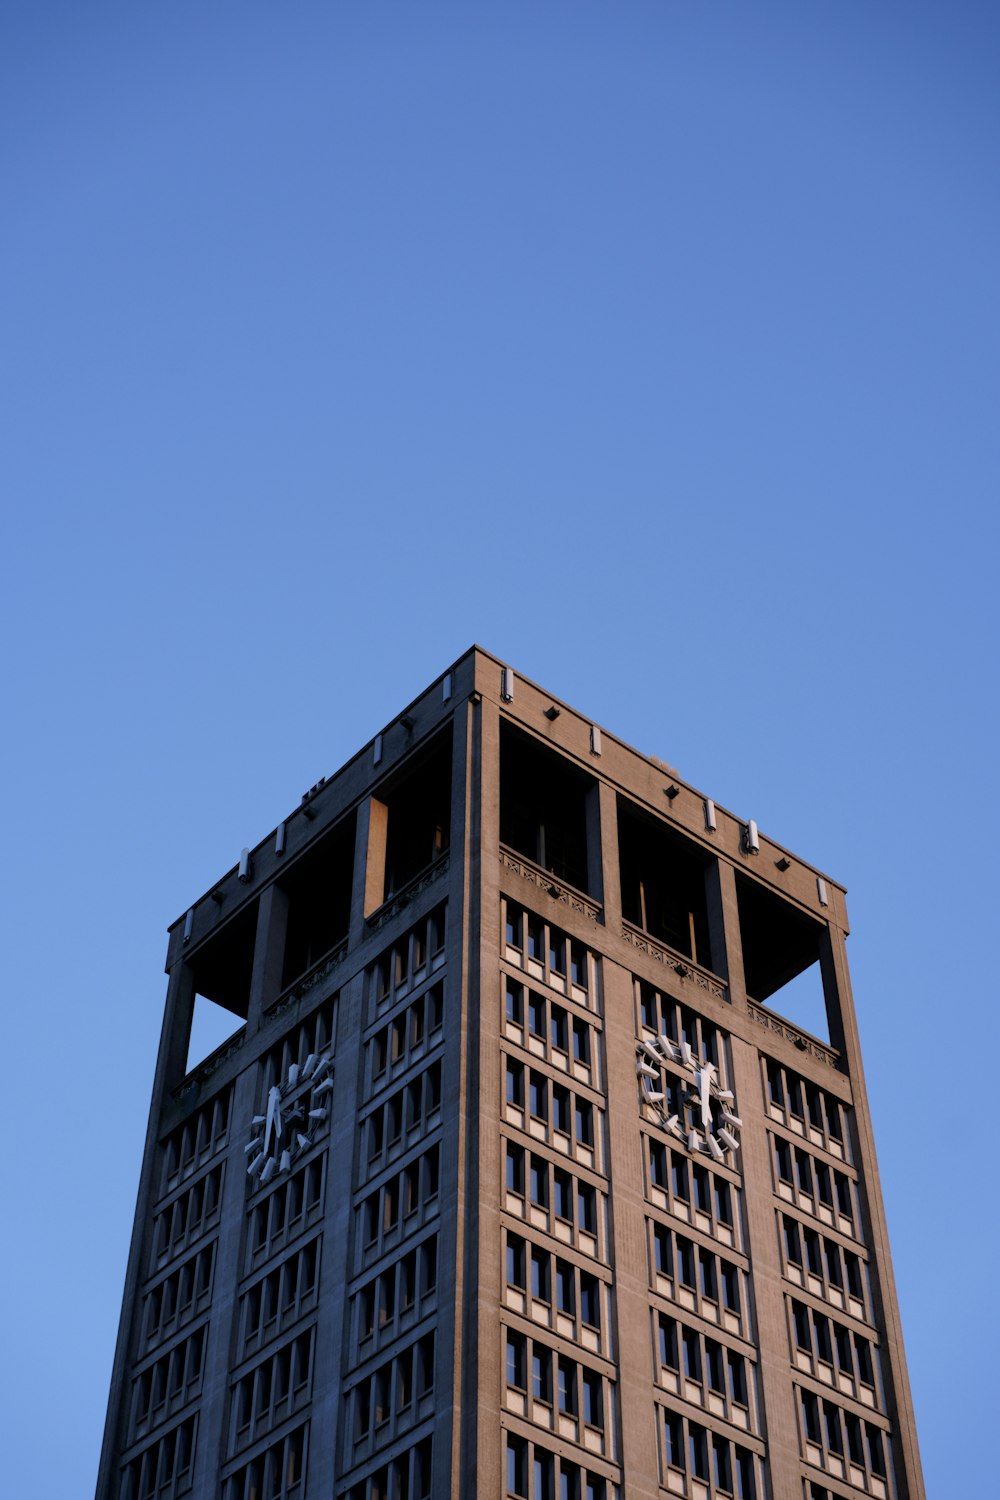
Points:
(513, 1183)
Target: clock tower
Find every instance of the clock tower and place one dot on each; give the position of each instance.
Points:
(514, 1177)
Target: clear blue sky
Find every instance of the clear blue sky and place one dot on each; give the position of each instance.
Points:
(653, 345)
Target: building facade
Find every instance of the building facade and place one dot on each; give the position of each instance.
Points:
(512, 1184)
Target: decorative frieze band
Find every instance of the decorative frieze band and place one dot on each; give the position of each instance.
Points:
(408, 894)
(536, 876)
(309, 979)
(214, 1060)
(800, 1039)
(681, 965)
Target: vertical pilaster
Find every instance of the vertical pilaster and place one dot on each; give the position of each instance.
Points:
(269, 953)
(455, 1356)
(368, 887)
(629, 1253)
(483, 1453)
(844, 1035)
(779, 1424)
(337, 1248)
(170, 1062)
(723, 918)
(602, 853)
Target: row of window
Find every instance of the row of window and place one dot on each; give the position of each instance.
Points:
(549, 954)
(171, 1381)
(543, 1026)
(272, 1390)
(551, 1389)
(396, 1203)
(806, 1108)
(828, 1193)
(398, 1295)
(715, 1375)
(534, 1473)
(690, 1452)
(407, 1113)
(276, 1474)
(663, 1015)
(823, 1265)
(388, 1395)
(290, 1207)
(314, 1034)
(409, 960)
(834, 1437)
(179, 1297)
(407, 1477)
(556, 1292)
(190, 1215)
(163, 1470)
(200, 1137)
(551, 1198)
(280, 1298)
(832, 1352)
(699, 1279)
(553, 1112)
(690, 1190)
(396, 1045)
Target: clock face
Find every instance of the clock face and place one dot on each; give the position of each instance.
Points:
(295, 1110)
(702, 1115)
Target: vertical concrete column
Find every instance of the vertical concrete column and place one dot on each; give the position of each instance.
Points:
(630, 1258)
(602, 853)
(844, 1036)
(337, 1264)
(368, 886)
(484, 1427)
(268, 954)
(212, 1436)
(170, 1064)
(723, 918)
(779, 1418)
(454, 1373)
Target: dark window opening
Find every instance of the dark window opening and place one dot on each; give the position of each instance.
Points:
(222, 970)
(419, 815)
(781, 949)
(543, 806)
(318, 887)
(663, 883)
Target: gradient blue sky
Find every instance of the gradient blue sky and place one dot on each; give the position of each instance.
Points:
(653, 345)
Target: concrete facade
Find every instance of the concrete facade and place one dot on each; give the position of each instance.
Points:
(448, 1215)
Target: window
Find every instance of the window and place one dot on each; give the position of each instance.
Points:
(515, 1262)
(516, 1362)
(178, 1298)
(187, 1216)
(280, 1297)
(409, 961)
(164, 1469)
(541, 1374)
(544, 950)
(272, 1390)
(517, 1466)
(196, 1141)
